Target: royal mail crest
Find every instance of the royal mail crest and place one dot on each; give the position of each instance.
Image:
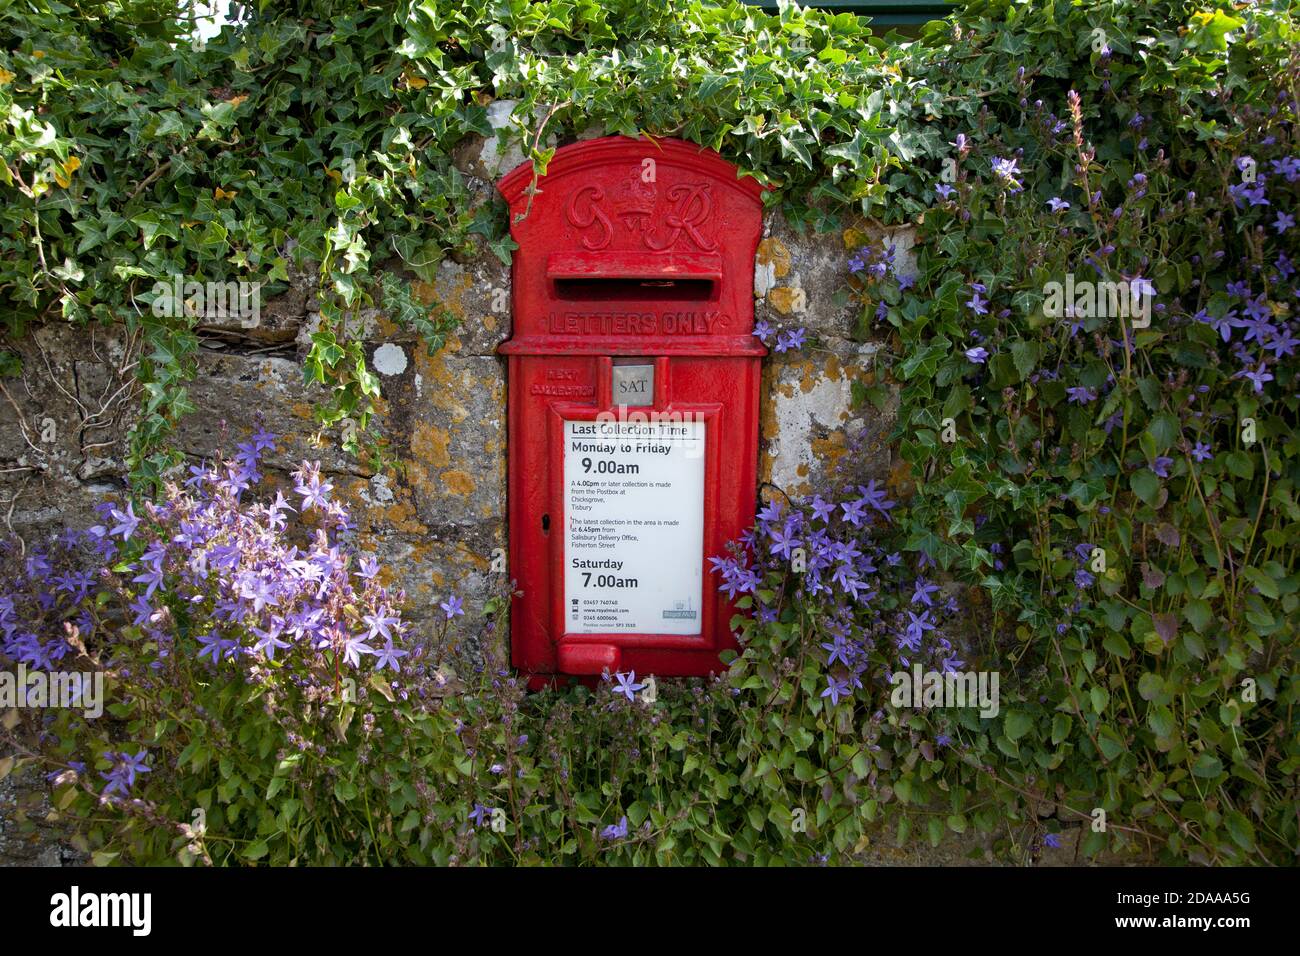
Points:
(679, 216)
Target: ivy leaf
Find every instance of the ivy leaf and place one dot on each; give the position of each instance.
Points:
(922, 363)
(1211, 29)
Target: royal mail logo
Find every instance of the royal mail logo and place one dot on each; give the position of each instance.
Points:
(680, 611)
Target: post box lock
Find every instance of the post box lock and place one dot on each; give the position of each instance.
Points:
(633, 405)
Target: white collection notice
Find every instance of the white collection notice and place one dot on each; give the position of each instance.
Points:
(633, 527)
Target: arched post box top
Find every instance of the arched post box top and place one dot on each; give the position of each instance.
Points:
(608, 150)
(634, 246)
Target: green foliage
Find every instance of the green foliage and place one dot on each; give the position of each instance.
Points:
(1143, 497)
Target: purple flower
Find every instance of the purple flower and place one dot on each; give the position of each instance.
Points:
(1283, 222)
(143, 612)
(1222, 324)
(978, 355)
(452, 606)
(1141, 288)
(838, 650)
(151, 576)
(922, 591)
(789, 340)
(263, 440)
(783, 542)
(627, 685)
(1058, 204)
(1202, 452)
(1282, 343)
(874, 497)
(822, 510)
(1288, 166)
(198, 474)
(915, 631)
(126, 520)
(389, 656)
(1006, 171)
(121, 776)
(214, 645)
(1257, 377)
(1081, 394)
(253, 587)
(354, 647)
(269, 641)
(835, 689)
(615, 831)
(853, 512)
(314, 490)
(1244, 192)
(1161, 466)
(379, 624)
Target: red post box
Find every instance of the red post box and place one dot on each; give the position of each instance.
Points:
(633, 392)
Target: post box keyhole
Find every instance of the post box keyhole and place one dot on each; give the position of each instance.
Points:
(546, 524)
